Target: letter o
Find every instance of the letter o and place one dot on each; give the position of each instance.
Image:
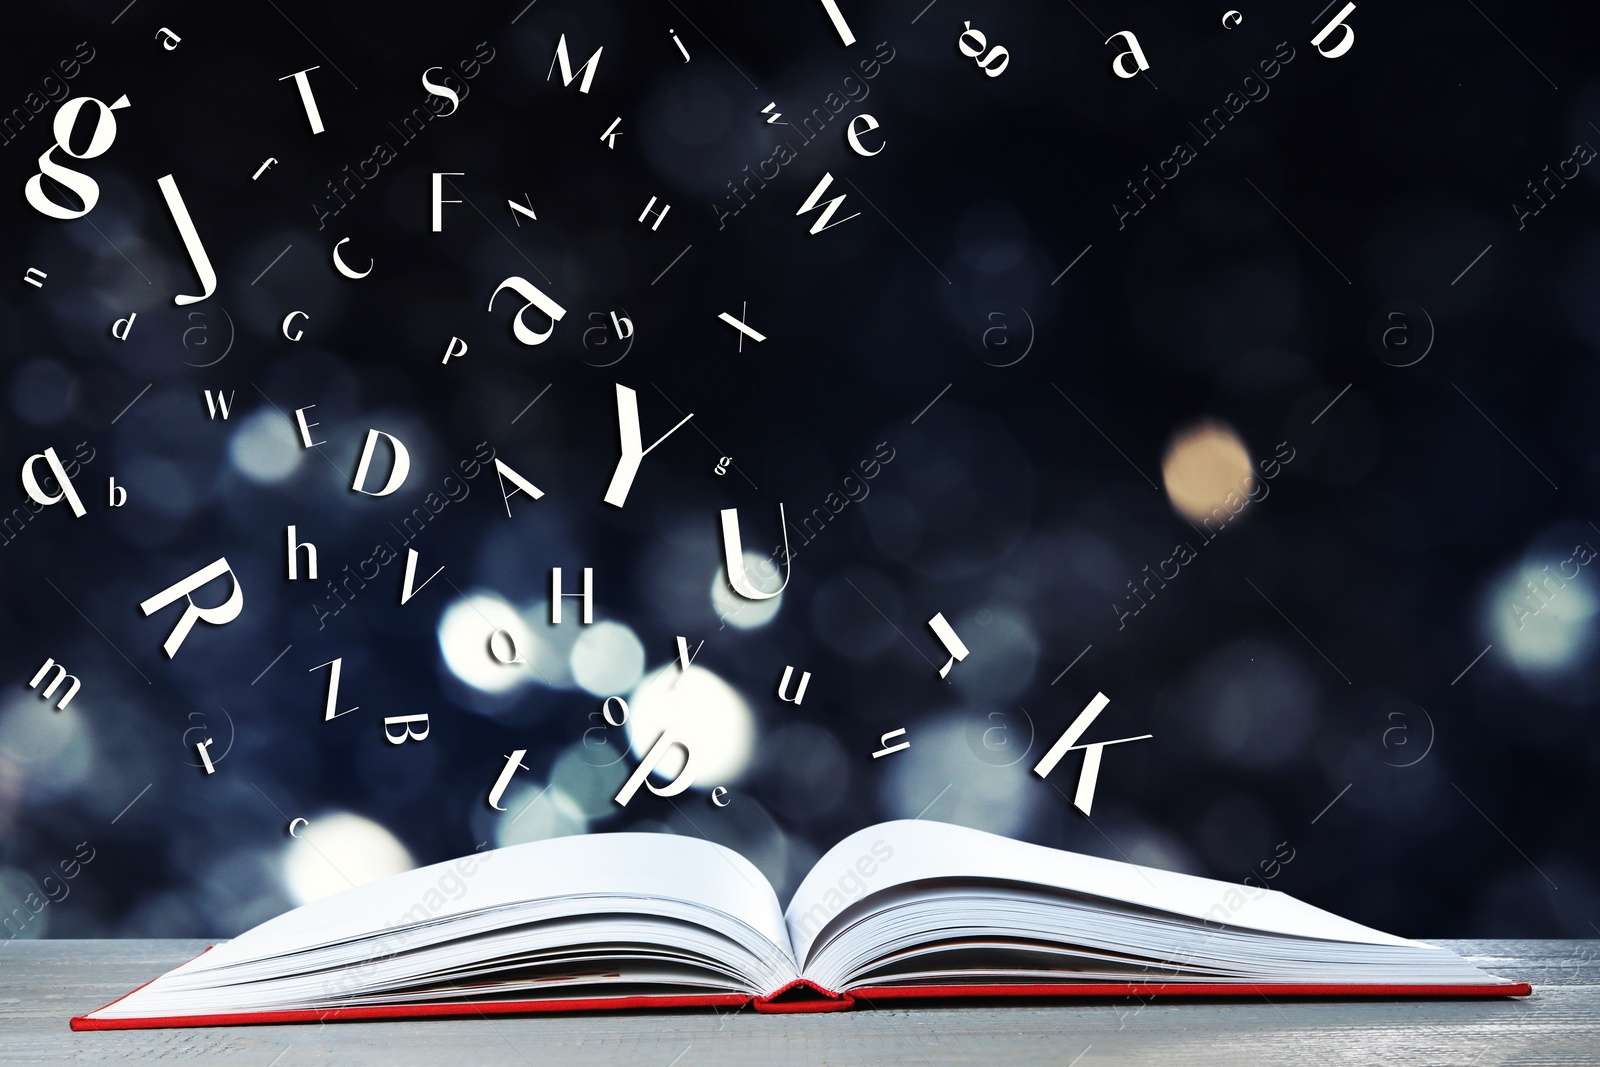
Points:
(511, 643)
(605, 711)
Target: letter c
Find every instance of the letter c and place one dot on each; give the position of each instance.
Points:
(291, 826)
(298, 333)
(339, 263)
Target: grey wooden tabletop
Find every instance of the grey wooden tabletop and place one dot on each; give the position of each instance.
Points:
(43, 983)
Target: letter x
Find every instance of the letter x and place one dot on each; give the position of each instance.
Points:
(738, 324)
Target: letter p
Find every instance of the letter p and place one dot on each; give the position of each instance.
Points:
(641, 773)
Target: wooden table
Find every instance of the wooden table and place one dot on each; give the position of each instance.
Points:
(43, 983)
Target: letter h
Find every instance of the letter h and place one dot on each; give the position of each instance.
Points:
(556, 595)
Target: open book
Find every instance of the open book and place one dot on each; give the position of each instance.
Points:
(902, 909)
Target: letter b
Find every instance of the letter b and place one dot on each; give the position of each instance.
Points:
(410, 733)
(1347, 40)
(118, 495)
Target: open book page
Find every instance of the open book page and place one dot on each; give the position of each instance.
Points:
(585, 905)
(893, 854)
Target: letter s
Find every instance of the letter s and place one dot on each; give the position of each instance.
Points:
(440, 90)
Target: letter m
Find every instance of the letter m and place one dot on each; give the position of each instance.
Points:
(61, 676)
(590, 65)
(828, 209)
(219, 403)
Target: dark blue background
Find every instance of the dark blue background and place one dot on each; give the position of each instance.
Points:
(1020, 504)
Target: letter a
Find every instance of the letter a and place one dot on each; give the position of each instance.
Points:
(1121, 69)
(522, 484)
(529, 292)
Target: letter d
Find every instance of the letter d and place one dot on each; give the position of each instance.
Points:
(397, 476)
(122, 327)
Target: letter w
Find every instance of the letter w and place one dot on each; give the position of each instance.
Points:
(828, 209)
(590, 65)
(219, 404)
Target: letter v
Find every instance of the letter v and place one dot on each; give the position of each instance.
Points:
(407, 591)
